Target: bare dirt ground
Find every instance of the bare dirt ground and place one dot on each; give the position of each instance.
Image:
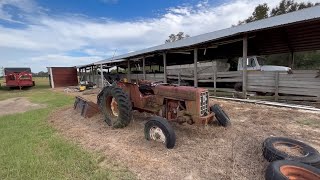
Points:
(201, 152)
(17, 105)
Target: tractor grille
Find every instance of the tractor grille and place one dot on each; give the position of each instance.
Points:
(204, 100)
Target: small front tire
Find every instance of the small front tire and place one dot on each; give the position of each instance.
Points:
(221, 116)
(158, 129)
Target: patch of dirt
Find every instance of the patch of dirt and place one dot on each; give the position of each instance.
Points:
(211, 152)
(17, 105)
(295, 151)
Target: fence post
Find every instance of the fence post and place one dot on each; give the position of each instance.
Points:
(144, 68)
(244, 65)
(129, 71)
(214, 77)
(276, 81)
(215, 82)
(195, 68)
(101, 76)
(164, 54)
(179, 78)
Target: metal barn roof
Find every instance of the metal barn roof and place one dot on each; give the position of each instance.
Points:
(304, 15)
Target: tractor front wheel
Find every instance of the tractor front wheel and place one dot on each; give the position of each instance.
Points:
(116, 106)
(158, 129)
(222, 117)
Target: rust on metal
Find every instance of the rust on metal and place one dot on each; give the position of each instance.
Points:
(86, 108)
(175, 103)
(295, 172)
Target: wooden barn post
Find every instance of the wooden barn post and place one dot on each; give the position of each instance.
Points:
(244, 64)
(85, 72)
(101, 75)
(164, 67)
(129, 71)
(144, 67)
(195, 71)
(92, 74)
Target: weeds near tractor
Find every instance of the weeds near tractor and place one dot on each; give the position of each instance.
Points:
(30, 148)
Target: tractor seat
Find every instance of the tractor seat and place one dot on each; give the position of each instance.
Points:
(146, 89)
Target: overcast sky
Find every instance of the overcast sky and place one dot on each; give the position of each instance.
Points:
(42, 33)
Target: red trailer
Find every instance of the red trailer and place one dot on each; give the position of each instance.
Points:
(18, 77)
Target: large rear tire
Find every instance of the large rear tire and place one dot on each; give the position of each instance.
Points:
(158, 129)
(281, 148)
(116, 106)
(286, 170)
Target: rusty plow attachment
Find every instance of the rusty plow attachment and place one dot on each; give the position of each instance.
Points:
(86, 108)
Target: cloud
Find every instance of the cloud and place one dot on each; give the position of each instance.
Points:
(21, 7)
(50, 40)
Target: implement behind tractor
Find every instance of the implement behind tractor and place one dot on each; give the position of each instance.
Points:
(168, 102)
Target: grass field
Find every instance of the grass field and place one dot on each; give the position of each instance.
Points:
(31, 149)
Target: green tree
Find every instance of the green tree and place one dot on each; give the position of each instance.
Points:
(286, 6)
(260, 12)
(176, 37)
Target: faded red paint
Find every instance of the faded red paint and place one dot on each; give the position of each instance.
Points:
(18, 79)
(180, 103)
(64, 76)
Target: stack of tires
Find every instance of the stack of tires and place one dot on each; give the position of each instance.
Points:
(290, 159)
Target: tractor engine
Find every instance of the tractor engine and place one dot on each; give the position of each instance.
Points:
(184, 104)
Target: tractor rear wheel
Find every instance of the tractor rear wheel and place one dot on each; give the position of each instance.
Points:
(116, 107)
(158, 129)
(222, 117)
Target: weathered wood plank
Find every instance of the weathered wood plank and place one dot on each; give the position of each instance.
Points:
(276, 82)
(270, 103)
(298, 75)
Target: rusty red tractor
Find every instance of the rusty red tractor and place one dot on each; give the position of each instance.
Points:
(181, 104)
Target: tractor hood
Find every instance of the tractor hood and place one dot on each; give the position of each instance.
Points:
(178, 92)
(275, 68)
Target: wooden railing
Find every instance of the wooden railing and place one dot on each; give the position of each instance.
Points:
(304, 83)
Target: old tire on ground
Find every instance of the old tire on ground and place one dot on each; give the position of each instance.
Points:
(159, 129)
(116, 106)
(221, 116)
(279, 148)
(286, 170)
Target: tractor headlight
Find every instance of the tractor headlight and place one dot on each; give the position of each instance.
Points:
(204, 100)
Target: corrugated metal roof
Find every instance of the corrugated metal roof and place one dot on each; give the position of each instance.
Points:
(294, 17)
(85, 65)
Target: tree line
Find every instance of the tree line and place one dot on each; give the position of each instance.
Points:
(263, 11)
